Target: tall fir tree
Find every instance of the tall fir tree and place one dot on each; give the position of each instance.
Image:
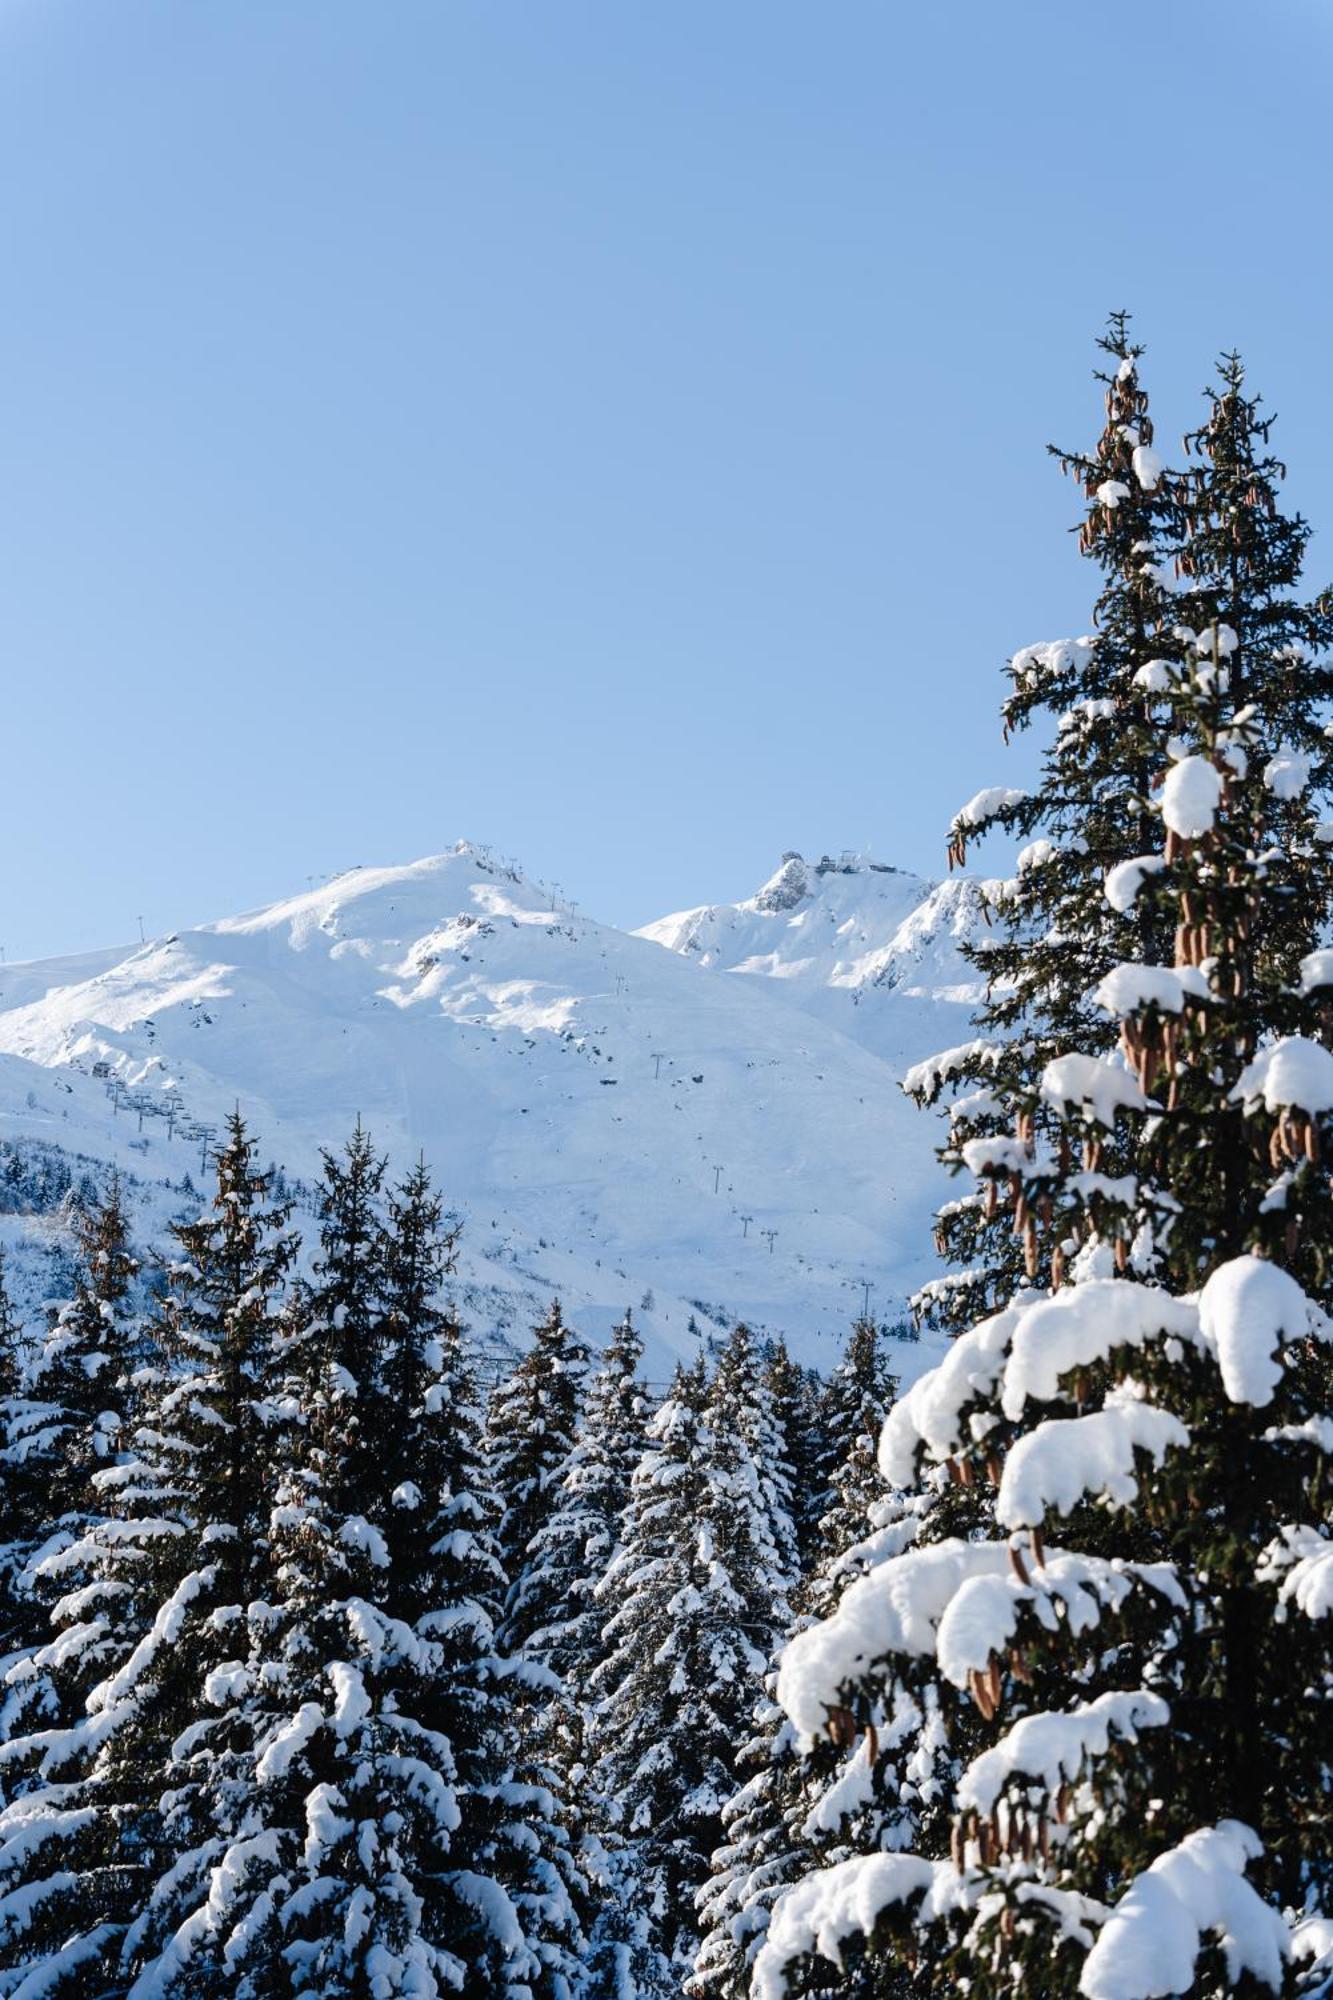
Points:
(19, 1502)
(531, 1429)
(576, 1543)
(795, 1810)
(1137, 1716)
(74, 1429)
(119, 1788)
(696, 1597)
(1053, 931)
(803, 1449)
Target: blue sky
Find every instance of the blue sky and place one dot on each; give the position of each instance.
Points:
(611, 431)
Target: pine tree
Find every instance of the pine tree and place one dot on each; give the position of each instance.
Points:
(694, 1597)
(576, 1543)
(794, 1811)
(1054, 930)
(20, 1502)
(802, 1449)
(1136, 1717)
(118, 1787)
(369, 1836)
(750, 1491)
(855, 1402)
(531, 1429)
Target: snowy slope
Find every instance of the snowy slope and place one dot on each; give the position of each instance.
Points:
(604, 1114)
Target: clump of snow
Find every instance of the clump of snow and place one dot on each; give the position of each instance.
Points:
(1054, 1748)
(1156, 676)
(1191, 795)
(985, 804)
(1148, 467)
(895, 1608)
(1124, 881)
(1316, 971)
(988, 1156)
(1097, 1085)
(1246, 1309)
(926, 1079)
(1304, 1559)
(1066, 1459)
(930, 1412)
(1287, 774)
(1052, 657)
(1151, 1943)
(831, 1905)
(1111, 492)
(1127, 988)
(1084, 1324)
(1219, 640)
(982, 1616)
(1292, 1075)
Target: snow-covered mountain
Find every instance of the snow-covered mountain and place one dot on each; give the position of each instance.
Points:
(847, 938)
(612, 1119)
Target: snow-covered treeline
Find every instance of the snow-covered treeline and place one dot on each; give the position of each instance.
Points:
(316, 1677)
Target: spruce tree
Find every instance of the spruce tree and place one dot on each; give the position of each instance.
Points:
(1053, 930)
(118, 1789)
(802, 1450)
(576, 1543)
(368, 1835)
(793, 1810)
(19, 1501)
(855, 1402)
(531, 1429)
(1125, 1653)
(750, 1491)
(74, 1430)
(694, 1597)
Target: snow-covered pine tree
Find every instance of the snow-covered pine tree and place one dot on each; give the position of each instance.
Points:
(646, 1732)
(1053, 930)
(794, 1809)
(696, 1597)
(72, 1427)
(575, 1544)
(855, 1402)
(368, 1837)
(531, 1428)
(1140, 1710)
(168, 1574)
(19, 1502)
(802, 1448)
(449, 1586)
(750, 1492)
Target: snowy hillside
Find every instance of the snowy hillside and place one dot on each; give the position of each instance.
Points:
(610, 1118)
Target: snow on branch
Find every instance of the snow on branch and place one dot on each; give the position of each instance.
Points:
(1083, 1324)
(1052, 1749)
(1099, 1086)
(1293, 1074)
(1124, 881)
(1303, 1559)
(925, 1080)
(1151, 1943)
(1246, 1309)
(895, 1609)
(1068, 1459)
(833, 1905)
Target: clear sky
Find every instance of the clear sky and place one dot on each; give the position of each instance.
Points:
(613, 431)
